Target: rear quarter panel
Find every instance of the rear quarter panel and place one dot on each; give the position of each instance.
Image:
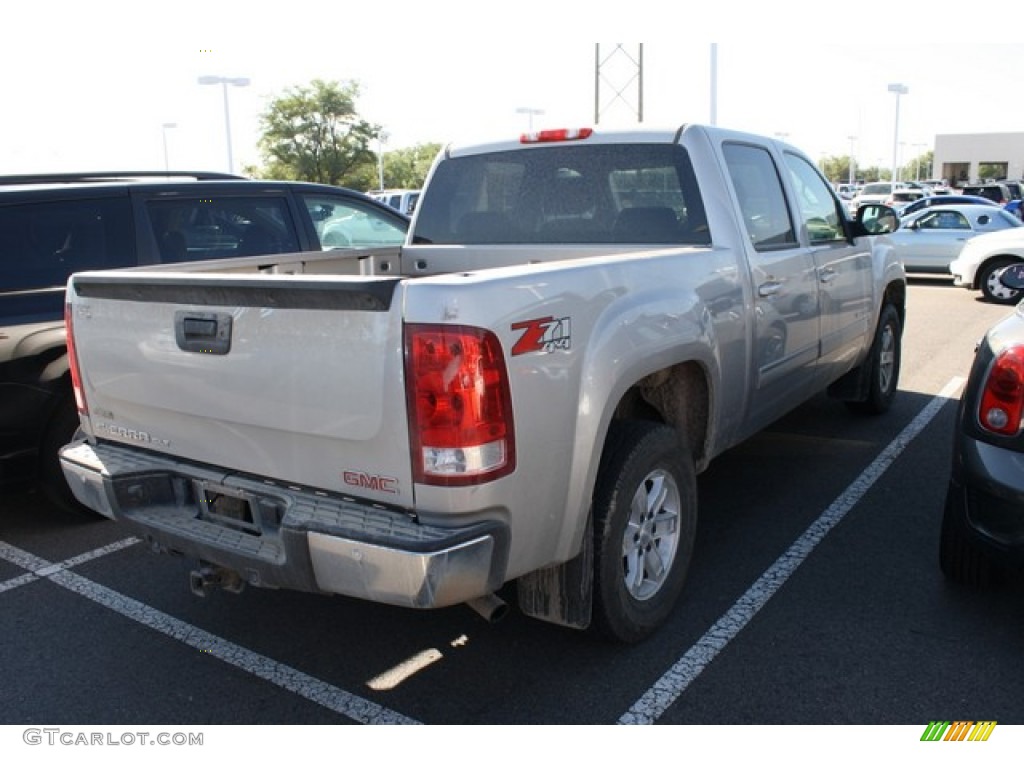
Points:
(577, 335)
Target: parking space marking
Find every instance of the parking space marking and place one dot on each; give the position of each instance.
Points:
(319, 692)
(660, 696)
(39, 568)
(19, 581)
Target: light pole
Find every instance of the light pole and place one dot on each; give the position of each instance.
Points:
(900, 90)
(530, 111)
(382, 139)
(224, 82)
(853, 143)
(163, 128)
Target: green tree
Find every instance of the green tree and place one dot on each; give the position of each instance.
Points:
(313, 133)
(835, 169)
(992, 171)
(407, 168)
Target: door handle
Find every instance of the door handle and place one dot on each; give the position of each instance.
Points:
(764, 290)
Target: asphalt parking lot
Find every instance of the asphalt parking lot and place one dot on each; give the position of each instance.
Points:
(815, 598)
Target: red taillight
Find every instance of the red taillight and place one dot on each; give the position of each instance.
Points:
(1002, 399)
(76, 377)
(558, 134)
(460, 407)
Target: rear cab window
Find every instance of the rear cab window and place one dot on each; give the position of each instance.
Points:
(601, 193)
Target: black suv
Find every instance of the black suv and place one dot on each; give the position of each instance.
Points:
(54, 225)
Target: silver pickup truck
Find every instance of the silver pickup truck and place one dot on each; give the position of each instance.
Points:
(524, 392)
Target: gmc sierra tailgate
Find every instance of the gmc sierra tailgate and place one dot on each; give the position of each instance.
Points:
(296, 379)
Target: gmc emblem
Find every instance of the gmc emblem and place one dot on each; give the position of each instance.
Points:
(369, 482)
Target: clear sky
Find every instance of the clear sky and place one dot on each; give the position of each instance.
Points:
(89, 85)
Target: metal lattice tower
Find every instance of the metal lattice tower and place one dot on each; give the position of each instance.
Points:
(621, 70)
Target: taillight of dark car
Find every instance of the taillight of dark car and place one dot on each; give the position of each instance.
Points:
(1002, 396)
(460, 405)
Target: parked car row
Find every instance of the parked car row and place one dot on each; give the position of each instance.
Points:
(929, 239)
(972, 238)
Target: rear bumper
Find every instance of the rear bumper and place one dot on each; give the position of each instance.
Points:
(986, 493)
(962, 277)
(277, 536)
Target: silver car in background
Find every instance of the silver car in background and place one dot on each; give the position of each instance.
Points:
(929, 240)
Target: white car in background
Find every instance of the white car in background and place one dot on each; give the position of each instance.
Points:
(402, 200)
(875, 192)
(983, 258)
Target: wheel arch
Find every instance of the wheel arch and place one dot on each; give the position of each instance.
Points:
(996, 258)
(896, 295)
(678, 396)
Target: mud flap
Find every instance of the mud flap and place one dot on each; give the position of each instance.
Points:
(561, 594)
(853, 385)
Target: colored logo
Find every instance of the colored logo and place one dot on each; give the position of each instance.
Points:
(545, 334)
(960, 730)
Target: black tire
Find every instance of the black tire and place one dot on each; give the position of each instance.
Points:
(643, 462)
(991, 289)
(62, 429)
(962, 560)
(884, 365)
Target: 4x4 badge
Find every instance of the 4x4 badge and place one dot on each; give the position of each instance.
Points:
(544, 334)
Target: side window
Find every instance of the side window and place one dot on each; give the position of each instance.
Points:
(345, 223)
(818, 207)
(762, 201)
(41, 244)
(194, 229)
(941, 219)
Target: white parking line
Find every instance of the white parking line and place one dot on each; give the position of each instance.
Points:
(337, 700)
(660, 696)
(39, 568)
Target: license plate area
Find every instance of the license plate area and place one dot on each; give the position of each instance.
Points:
(228, 507)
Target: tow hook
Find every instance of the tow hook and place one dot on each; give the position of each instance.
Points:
(203, 580)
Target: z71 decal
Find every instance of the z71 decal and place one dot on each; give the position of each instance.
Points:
(545, 334)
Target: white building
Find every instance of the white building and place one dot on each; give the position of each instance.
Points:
(958, 157)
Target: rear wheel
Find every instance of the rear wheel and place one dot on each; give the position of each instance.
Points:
(991, 288)
(645, 520)
(884, 364)
(63, 428)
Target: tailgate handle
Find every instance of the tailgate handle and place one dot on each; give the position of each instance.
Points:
(206, 332)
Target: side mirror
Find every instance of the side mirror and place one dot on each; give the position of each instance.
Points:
(1013, 276)
(875, 219)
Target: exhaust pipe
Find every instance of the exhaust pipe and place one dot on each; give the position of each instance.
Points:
(491, 607)
(203, 580)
